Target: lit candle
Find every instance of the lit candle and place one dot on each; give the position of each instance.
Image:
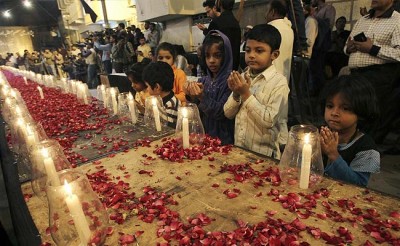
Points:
(132, 108)
(104, 95)
(83, 93)
(185, 128)
(40, 92)
(156, 115)
(30, 136)
(77, 214)
(305, 163)
(73, 87)
(50, 168)
(25, 80)
(114, 100)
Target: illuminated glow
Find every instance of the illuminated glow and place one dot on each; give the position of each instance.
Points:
(27, 3)
(7, 14)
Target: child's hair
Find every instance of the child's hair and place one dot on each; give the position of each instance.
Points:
(159, 73)
(266, 33)
(209, 40)
(168, 47)
(357, 92)
(136, 71)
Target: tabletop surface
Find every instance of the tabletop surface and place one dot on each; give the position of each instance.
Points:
(232, 196)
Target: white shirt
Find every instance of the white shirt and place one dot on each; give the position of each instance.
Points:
(284, 61)
(311, 34)
(262, 119)
(91, 59)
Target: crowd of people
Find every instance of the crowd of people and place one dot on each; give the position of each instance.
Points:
(354, 74)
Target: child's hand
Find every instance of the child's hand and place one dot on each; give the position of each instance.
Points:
(195, 90)
(240, 85)
(329, 143)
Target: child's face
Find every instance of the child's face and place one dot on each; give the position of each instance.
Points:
(137, 86)
(165, 56)
(153, 92)
(259, 55)
(142, 41)
(338, 114)
(213, 59)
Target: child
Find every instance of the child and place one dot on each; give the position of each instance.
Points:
(135, 77)
(259, 100)
(166, 53)
(211, 91)
(349, 102)
(159, 79)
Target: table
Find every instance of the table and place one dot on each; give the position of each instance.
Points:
(198, 187)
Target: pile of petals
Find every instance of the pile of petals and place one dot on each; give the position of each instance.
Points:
(172, 150)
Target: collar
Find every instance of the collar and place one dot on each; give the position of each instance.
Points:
(267, 73)
(388, 13)
(168, 97)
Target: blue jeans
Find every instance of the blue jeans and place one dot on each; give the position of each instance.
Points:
(92, 76)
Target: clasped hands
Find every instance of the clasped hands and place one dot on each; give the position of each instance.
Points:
(329, 143)
(193, 89)
(354, 46)
(239, 86)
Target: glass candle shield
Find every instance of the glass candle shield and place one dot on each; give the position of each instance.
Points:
(301, 163)
(101, 94)
(189, 128)
(112, 100)
(154, 114)
(47, 160)
(76, 215)
(127, 108)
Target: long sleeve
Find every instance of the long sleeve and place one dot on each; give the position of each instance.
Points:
(391, 52)
(213, 108)
(231, 107)
(339, 169)
(104, 47)
(180, 79)
(263, 112)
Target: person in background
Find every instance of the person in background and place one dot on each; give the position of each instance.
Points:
(143, 49)
(211, 92)
(181, 62)
(153, 37)
(49, 58)
(59, 60)
(212, 13)
(324, 11)
(106, 50)
(90, 57)
(159, 79)
(336, 58)
(121, 53)
(166, 53)
(120, 29)
(259, 99)
(229, 25)
(135, 76)
(20, 62)
(244, 37)
(349, 102)
(275, 16)
(147, 30)
(311, 29)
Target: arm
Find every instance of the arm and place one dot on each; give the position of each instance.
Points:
(180, 80)
(86, 53)
(231, 107)
(214, 107)
(106, 47)
(240, 11)
(339, 169)
(390, 52)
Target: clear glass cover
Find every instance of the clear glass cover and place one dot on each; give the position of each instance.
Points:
(127, 110)
(154, 115)
(47, 159)
(189, 128)
(301, 163)
(76, 215)
(112, 100)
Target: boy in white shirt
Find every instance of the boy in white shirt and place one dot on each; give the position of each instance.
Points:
(259, 98)
(142, 50)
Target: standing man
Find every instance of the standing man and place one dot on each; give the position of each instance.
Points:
(229, 25)
(375, 55)
(275, 16)
(154, 37)
(324, 11)
(90, 57)
(211, 11)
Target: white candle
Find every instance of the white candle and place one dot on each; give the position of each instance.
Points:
(25, 80)
(77, 214)
(82, 88)
(132, 108)
(104, 95)
(40, 92)
(73, 87)
(50, 168)
(156, 115)
(114, 100)
(30, 136)
(305, 163)
(185, 128)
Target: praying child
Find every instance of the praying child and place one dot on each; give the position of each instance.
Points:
(259, 99)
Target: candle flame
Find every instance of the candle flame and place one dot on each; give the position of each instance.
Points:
(67, 188)
(13, 93)
(20, 121)
(154, 101)
(39, 88)
(45, 152)
(8, 101)
(29, 130)
(307, 138)
(130, 97)
(18, 110)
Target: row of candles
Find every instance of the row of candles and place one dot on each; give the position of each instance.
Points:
(49, 167)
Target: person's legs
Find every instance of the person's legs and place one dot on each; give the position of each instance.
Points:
(107, 66)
